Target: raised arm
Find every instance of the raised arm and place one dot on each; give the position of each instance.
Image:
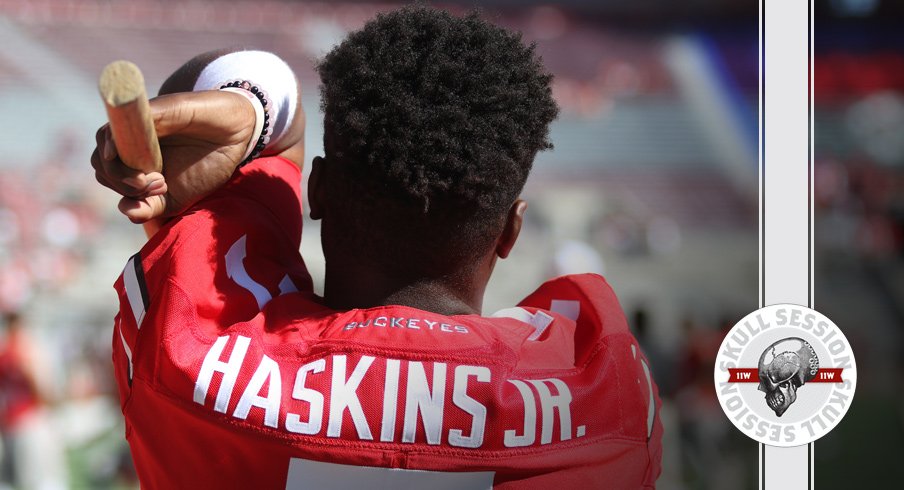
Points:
(205, 133)
(209, 70)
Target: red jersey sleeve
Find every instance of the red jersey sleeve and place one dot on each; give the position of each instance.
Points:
(601, 331)
(228, 256)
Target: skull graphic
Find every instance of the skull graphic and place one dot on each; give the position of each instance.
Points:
(784, 367)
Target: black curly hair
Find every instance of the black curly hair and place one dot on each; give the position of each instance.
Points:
(432, 123)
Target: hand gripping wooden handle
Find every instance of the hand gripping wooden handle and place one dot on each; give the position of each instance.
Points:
(122, 89)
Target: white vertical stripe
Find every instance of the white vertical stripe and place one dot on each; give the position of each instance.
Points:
(786, 160)
(651, 407)
(133, 292)
(759, 456)
(125, 346)
(785, 205)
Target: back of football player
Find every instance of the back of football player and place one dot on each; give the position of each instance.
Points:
(233, 373)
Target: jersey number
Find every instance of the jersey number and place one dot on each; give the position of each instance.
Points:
(235, 269)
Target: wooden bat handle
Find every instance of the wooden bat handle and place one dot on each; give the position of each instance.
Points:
(122, 89)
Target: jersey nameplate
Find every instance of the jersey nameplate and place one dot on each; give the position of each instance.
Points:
(409, 401)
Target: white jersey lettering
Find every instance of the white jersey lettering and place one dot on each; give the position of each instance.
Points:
(229, 369)
(420, 399)
(512, 439)
(267, 372)
(549, 403)
(546, 402)
(474, 408)
(313, 397)
(390, 400)
(343, 396)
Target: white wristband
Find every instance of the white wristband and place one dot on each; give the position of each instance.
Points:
(268, 72)
(258, 118)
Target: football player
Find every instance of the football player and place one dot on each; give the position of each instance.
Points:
(233, 373)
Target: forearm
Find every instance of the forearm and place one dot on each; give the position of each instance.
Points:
(205, 132)
(210, 70)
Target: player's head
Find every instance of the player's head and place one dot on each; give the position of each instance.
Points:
(432, 123)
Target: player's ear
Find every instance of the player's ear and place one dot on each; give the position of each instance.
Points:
(315, 188)
(513, 221)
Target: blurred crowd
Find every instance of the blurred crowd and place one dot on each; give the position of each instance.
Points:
(47, 226)
(56, 388)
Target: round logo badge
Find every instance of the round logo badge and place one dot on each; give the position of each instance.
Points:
(785, 375)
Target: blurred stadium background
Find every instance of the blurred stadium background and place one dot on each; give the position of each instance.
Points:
(652, 182)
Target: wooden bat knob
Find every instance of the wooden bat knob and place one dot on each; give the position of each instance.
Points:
(122, 90)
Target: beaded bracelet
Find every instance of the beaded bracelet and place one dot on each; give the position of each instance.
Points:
(254, 148)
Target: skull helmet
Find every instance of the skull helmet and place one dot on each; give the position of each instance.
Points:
(784, 367)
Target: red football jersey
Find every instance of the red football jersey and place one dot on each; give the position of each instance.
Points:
(232, 373)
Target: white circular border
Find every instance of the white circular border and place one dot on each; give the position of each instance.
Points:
(721, 376)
